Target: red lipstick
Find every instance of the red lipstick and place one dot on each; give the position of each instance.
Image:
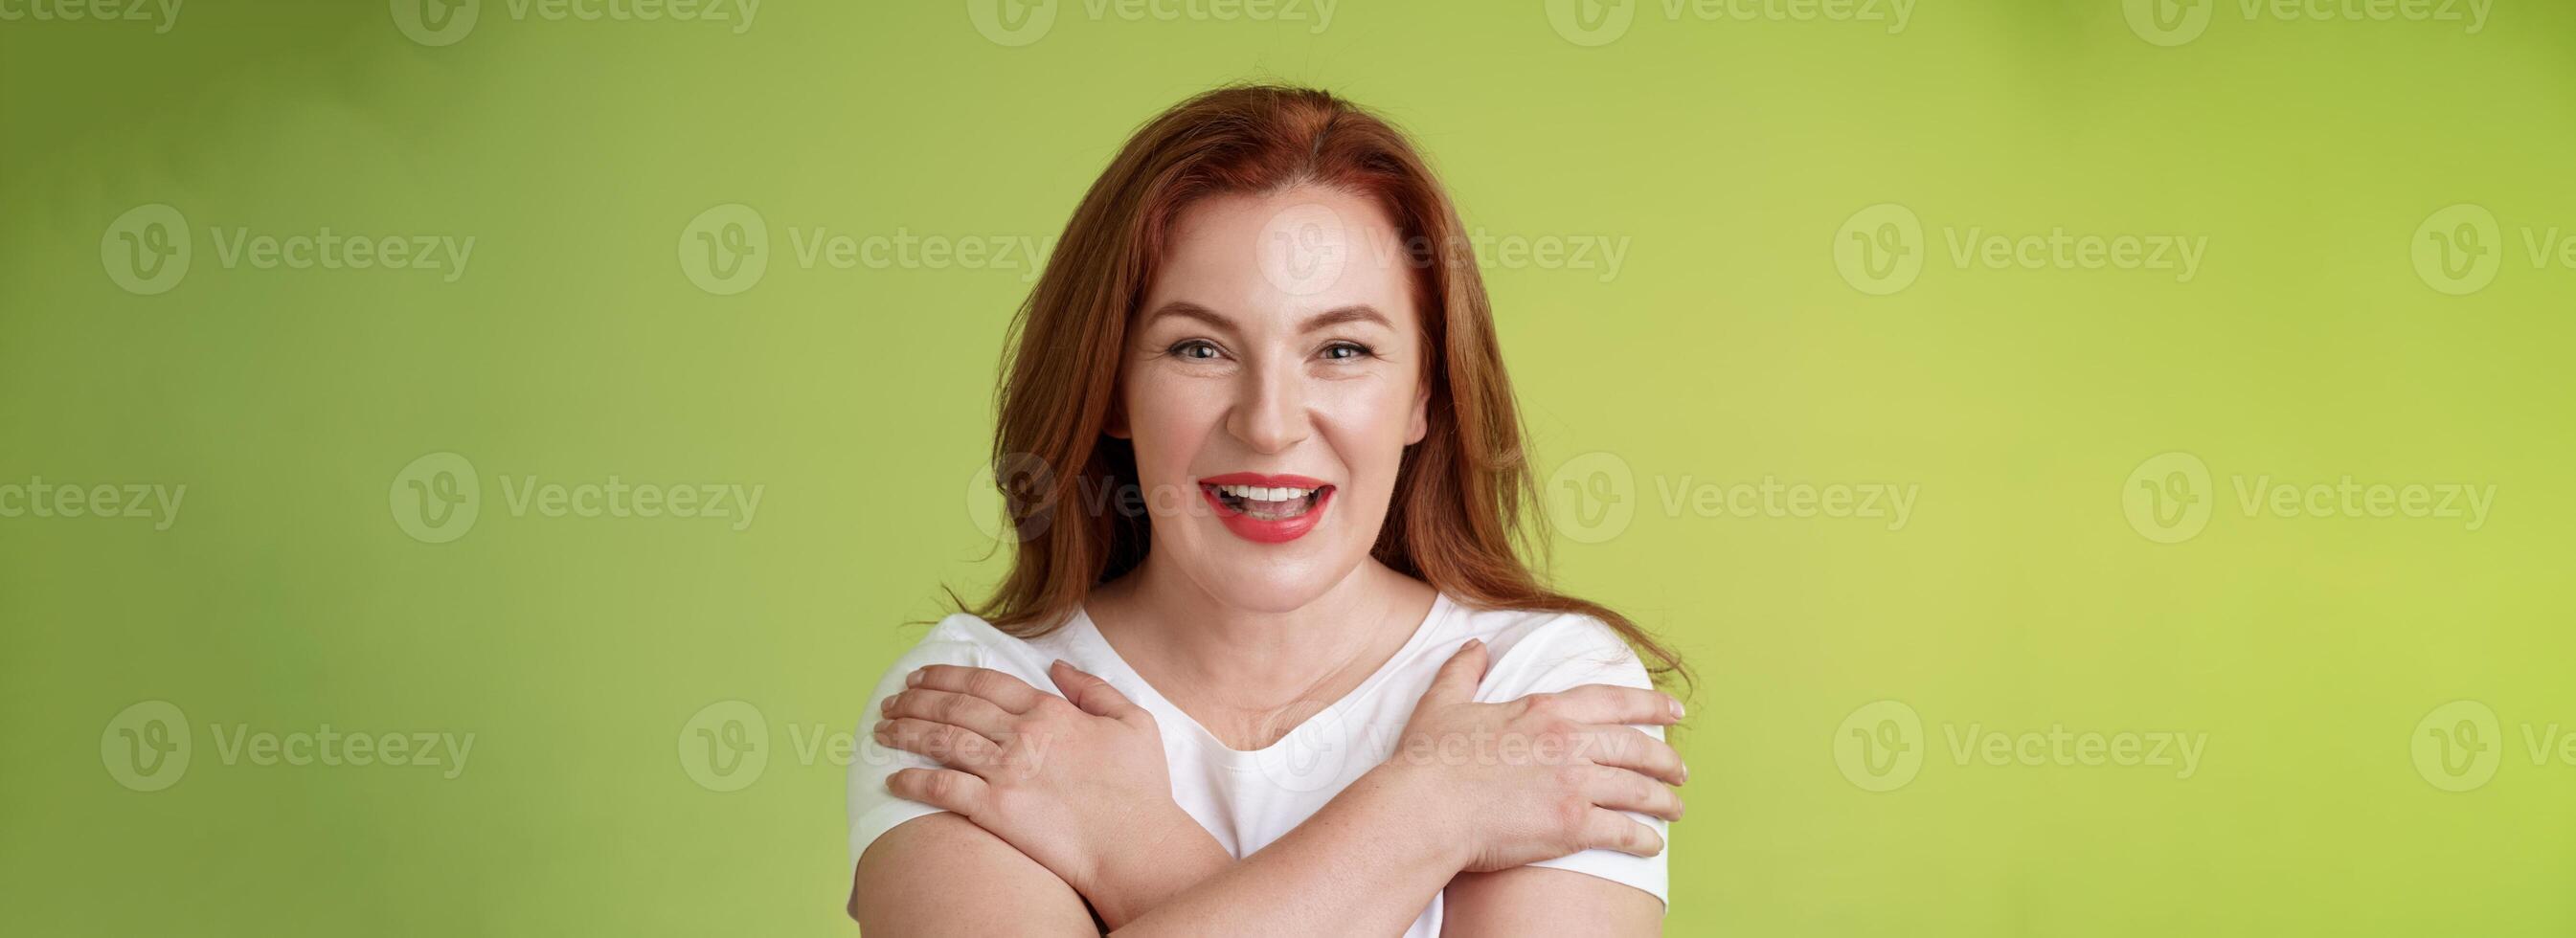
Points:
(1264, 519)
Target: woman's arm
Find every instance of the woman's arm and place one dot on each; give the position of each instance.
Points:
(1536, 900)
(1378, 850)
(940, 874)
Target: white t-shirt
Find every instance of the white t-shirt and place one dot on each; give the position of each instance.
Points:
(1248, 799)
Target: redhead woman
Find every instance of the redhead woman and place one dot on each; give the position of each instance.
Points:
(1268, 659)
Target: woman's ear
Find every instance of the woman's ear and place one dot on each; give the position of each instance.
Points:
(1421, 425)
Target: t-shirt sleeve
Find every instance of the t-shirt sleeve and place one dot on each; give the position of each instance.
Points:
(1562, 654)
(873, 809)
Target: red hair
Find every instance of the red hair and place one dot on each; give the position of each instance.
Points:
(1465, 503)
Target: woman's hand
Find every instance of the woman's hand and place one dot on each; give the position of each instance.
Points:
(1078, 782)
(1540, 777)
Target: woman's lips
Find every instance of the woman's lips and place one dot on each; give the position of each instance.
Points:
(1267, 509)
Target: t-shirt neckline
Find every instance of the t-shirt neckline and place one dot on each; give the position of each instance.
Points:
(1152, 699)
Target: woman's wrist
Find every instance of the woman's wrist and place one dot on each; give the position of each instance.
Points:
(1164, 856)
(1401, 797)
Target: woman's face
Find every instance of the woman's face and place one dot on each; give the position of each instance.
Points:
(1272, 381)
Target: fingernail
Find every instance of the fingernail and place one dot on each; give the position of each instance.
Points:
(1677, 707)
(887, 705)
(883, 725)
(913, 679)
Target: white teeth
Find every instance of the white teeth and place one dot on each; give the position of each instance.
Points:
(1259, 493)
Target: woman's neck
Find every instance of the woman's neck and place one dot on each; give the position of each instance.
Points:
(1252, 675)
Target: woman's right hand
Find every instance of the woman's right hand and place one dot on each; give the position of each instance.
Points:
(1540, 777)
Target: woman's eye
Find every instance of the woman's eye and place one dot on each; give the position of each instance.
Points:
(1345, 351)
(1194, 349)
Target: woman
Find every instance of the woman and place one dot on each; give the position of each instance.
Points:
(1266, 660)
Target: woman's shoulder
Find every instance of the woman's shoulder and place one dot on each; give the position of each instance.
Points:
(1546, 645)
(966, 639)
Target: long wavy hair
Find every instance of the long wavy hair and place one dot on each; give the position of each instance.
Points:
(1465, 505)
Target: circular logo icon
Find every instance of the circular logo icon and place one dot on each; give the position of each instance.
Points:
(1304, 249)
(2168, 22)
(145, 250)
(2457, 250)
(1022, 481)
(1879, 747)
(2458, 745)
(725, 249)
(1311, 757)
(1879, 249)
(1592, 497)
(2168, 497)
(436, 22)
(1591, 22)
(725, 746)
(1012, 23)
(436, 498)
(145, 747)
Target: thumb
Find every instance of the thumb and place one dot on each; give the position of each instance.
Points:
(1092, 694)
(1459, 676)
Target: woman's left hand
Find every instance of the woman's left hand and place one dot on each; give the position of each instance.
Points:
(1078, 782)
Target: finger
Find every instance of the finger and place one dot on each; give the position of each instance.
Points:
(1623, 790)
(1458, 677)
(1611, 830)
(1612, 703)
(939, 788)
(1092, 694)
(1630, 748)
(1007, 692)
(942, 743)
(975, 714)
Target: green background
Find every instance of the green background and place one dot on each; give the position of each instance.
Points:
(1725, 153)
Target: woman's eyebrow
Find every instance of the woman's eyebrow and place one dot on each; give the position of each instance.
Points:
(1357, 312)
(1188, 310)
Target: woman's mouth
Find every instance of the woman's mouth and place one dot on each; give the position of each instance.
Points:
(1267, 509)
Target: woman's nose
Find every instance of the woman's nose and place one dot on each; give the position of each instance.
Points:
(1270, 414)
